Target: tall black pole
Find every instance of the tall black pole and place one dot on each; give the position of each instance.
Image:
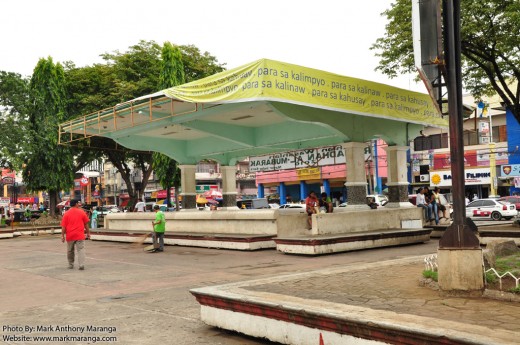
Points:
(457, 235)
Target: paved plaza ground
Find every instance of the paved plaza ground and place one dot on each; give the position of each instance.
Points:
(144, 296)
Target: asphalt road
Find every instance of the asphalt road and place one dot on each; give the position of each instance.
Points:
(143, 298)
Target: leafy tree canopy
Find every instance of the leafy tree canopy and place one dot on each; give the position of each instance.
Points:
(143, 69)
(490, 47)
(14, 92)
(49, 166)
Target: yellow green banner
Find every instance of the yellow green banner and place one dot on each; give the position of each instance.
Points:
(278, 81)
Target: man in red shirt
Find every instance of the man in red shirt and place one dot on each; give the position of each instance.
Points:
(73, 227)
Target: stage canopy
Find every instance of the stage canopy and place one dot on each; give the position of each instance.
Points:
(263, 107)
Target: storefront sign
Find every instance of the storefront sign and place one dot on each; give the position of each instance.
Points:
(201, 188)
(483, 132)
(26, 200)
(443, 160)
(510, 170)
(7, 180)
(8, 173)
(501, 156)
(4, 202)
(161, 194)
(309, 173)
(83, 181)
(472, 177)
(322, 156)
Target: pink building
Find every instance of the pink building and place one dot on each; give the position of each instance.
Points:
(293, 185)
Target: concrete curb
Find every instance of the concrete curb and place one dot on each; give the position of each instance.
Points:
(287, 318)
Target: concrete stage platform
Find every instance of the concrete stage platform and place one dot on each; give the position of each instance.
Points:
(261, 229)
(191, 239)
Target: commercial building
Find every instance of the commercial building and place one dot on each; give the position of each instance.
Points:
(290, 176)
(490, 147)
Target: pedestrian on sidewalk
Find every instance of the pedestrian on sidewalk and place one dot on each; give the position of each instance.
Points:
(73, 227)
(159, 227)
(94, 218)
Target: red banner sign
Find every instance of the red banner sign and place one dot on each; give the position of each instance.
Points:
(8, 173)
(443, 161)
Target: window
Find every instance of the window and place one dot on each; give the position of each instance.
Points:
(431, 142)
(488, 203)
(470, 138)
(206, 167)
(477, 203)
(499, 133)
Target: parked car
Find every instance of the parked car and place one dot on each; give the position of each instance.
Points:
(104, 210)
(286, 206)
(379, 199)
(490, 209)
(515, 200)
(292, 208)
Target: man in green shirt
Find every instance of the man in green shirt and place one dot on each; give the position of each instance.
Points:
(159, 227)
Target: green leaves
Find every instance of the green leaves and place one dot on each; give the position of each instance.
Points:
(49, 166)
(490, 47)
(172, 67)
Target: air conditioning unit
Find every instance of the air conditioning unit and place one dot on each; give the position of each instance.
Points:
(424, 178)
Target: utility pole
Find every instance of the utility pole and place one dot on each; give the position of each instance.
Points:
(459, 254)
(457, 235)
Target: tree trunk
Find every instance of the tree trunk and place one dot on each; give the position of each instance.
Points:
(168, 196)
(53, 202)
(177, 204)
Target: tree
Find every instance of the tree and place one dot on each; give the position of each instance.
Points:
(49, 166)
(490, 49)
(122, 77)
(14, 93)
(172, 74)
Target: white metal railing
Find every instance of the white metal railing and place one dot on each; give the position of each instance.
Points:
(517, 280)
(430, 264)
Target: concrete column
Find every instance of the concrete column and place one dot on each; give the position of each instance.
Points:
(326, 187)
(303, 190)
(229, 186)
(282, 194)
(356, 182)
(396, 157)
(260, 190)
(188, 183)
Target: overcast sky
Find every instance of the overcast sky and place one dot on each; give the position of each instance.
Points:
(334, 36)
